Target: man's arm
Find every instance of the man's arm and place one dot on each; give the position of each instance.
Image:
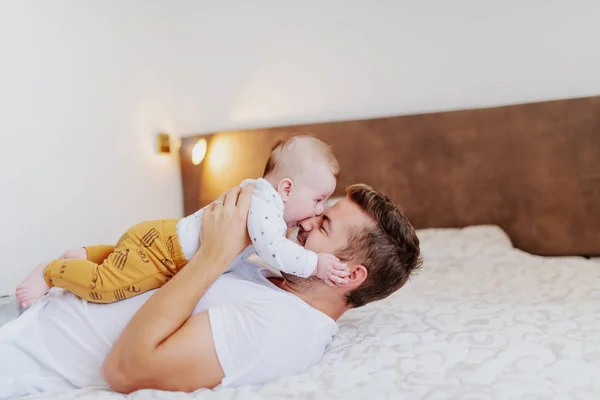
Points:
(164, 346)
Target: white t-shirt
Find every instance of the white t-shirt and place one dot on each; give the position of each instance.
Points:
(260, 332)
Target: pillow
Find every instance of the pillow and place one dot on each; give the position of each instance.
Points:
(472, 241)
(332, 200)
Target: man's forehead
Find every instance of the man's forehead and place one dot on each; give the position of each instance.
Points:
(346, 214)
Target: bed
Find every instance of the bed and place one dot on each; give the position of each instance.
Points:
(484, 318)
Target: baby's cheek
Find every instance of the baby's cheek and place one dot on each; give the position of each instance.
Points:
(308, 212)
(316, 211)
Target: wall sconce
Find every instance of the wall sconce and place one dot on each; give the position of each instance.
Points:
(166, 145)
(199, 151)
(163, 143)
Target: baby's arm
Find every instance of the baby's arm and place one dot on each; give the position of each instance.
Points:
(267, 233)
(331, 270)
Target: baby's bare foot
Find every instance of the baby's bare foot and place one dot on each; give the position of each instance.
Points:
(33, 287)
(79, 253)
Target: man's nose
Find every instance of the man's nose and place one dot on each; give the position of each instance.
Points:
(309, 224)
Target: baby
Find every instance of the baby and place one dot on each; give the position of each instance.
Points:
(300, 175)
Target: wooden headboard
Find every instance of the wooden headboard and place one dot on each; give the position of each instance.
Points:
(533, 169)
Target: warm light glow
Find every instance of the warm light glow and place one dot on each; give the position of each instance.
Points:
(219, 157)
(199, 151)
(224, 165)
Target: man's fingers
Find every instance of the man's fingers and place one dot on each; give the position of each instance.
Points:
(231, 196)
(209, 208)
(244, 198)
(208, 211)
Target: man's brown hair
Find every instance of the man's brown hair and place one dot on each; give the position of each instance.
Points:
(288, 154)
(389, 250)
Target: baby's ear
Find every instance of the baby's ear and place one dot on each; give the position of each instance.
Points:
(285, 188)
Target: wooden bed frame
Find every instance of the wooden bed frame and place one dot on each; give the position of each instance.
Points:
(533, 169)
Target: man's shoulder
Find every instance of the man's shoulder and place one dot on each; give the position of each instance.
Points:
(261, 301)
(258, 323)
(252, 336)
(281, 306)
(286, 315)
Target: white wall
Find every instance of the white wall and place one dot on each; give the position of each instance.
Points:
(274, 62)
(83, 90)
(85, 85)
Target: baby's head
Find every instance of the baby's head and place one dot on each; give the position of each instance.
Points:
(304, 171)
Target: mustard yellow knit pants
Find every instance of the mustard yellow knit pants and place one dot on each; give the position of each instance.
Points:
(144, 258)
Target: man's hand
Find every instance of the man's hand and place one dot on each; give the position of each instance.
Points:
(224, 232)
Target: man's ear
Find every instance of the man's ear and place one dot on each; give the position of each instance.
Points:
(358, 275)
(285, 188)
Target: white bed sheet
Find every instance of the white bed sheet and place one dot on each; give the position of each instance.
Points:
(482, 320)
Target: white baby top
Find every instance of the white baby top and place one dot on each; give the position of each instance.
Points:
(267, 229)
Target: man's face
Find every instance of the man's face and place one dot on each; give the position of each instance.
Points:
(331, 231)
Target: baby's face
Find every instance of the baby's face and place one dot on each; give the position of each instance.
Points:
(308, 199)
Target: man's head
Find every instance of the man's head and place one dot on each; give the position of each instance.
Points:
(304, 172)
(372, 235)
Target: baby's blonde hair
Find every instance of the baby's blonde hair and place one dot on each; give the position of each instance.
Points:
(288, 157)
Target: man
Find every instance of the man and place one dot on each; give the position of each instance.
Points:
(205, 328)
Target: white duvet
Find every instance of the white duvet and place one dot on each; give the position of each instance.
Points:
(480, 321)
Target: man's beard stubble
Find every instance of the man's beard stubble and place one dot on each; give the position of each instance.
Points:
(300, 283)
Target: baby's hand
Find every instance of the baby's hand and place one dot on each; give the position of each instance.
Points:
(331, 270)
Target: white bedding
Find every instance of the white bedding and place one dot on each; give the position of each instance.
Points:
(480, 321)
